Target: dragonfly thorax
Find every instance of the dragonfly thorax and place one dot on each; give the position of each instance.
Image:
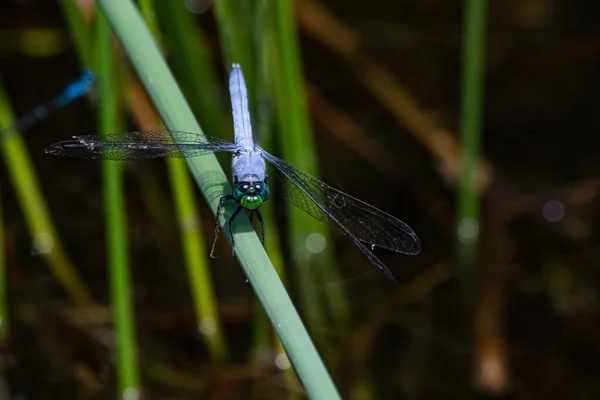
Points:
(251, 195)
(248, 166)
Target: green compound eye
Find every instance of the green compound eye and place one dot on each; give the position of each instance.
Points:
(240, 190)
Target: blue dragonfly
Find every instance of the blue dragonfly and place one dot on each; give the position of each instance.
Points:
(365, 225)
(74, 90)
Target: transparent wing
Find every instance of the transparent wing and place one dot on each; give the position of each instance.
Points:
(140, 145)
(356, 219)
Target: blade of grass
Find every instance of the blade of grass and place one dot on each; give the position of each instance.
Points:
(79, 30)
(22, 173)
(235, 19)
(209, 323)
(264, 122)
(116, 219)
(192, 61)
(176, 114)
(298, 148)
(468, 226)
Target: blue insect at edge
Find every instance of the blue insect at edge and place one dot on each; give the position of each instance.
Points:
(72, 92)
(365, 225)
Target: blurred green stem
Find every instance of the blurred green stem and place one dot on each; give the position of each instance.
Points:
(468, 227)
(44, 236)
(193, 61)
(4, 327)
(116, 219)
(298, 148)
(79, 31)
(196, 256)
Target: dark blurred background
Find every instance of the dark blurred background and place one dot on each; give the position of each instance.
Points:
(535, 329)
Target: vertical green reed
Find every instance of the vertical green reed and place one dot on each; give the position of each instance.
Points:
(194, 249)
(242, 31)
(193, 63)
(158, 80)
(79, 31)
(265, 121)
(297, 147)
(116, 219)
(468, 227)
(235, 20)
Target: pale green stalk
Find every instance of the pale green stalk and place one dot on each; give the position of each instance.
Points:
(155, 75)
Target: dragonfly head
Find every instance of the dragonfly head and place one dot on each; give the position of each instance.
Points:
(251, 195)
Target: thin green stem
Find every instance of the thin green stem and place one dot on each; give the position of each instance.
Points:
(235, 31)
(468, 227)
(116, 220)
(298, 148)
(79, 31)
(193, 62)
(194, 249)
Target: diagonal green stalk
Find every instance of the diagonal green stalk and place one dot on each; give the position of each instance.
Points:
(196, 256)
(116, 220)
(468, 227)
(22, 173)
(4, 323)
(160, 84)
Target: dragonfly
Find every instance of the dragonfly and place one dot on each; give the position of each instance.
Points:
(366, 226)
(74, 90)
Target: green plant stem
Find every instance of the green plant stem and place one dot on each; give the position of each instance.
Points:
(297, 146)
(234, 24)
(196, 256)
(235, 31)
(193, 62)
(265, 120)
(79, 31)
(22, 173)
(468, 227)
(177, 115)
(4, 322)
(116, 219)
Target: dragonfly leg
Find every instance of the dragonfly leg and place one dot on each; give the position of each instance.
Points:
(235, 213)
(221, 201)
(262, 226)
